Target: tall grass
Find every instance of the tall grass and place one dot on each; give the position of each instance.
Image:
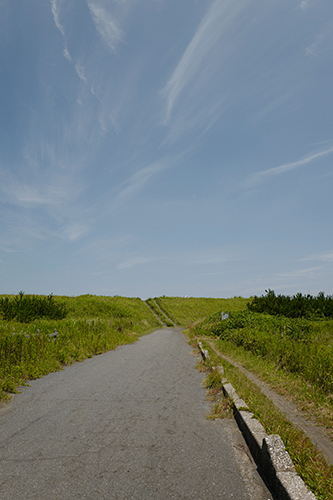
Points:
(26, 308)
(299, 346)
(93, 325)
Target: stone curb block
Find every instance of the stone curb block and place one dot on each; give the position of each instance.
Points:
(251, 428)
(280, 471)
(204, 352)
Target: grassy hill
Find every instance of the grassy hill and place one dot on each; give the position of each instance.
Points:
(184, 311)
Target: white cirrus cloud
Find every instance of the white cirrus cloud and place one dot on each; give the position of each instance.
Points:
(318, 44)
(305, 4)
(55, 6)
(211, 258)
(56, 192)
(259, 177)
(136, 261)
(7, 249)
(105, 24)
(199, 60)
(74, 232)
(322, 257)
(80, 72)
(299, 273)
(138, 181)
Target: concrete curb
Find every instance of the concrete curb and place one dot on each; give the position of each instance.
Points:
(268, 452)
(204, 353)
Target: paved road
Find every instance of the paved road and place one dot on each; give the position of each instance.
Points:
(128, 424)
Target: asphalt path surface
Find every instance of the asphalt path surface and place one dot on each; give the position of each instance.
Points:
(128, 424)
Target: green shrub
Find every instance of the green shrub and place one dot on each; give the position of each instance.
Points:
(27, 308)
(298, 306)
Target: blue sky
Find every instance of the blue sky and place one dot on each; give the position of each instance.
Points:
(166, 147)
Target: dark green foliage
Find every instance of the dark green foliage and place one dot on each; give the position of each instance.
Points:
(298, 306)
(297, 345)
(27, 308)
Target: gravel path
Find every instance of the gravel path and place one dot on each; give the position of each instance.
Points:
(128, 424)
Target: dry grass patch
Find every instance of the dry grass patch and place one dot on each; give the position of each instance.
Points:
(222, 406)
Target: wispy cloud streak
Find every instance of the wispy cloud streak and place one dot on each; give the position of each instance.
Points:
(304, 5)
(136, 261)
(197, 57)
(313, 48)
(55, 5)
(105, 25)
(300, 273)
(80, 72)
(321, 257)
(48, 201)
(264, 175)
(138, 181)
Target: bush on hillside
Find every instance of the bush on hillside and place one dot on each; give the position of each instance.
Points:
(298, 306)
(27, 308)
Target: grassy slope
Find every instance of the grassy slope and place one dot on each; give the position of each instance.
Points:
(151, 303)
(185, 311)
(297, 346)
(116, 310)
